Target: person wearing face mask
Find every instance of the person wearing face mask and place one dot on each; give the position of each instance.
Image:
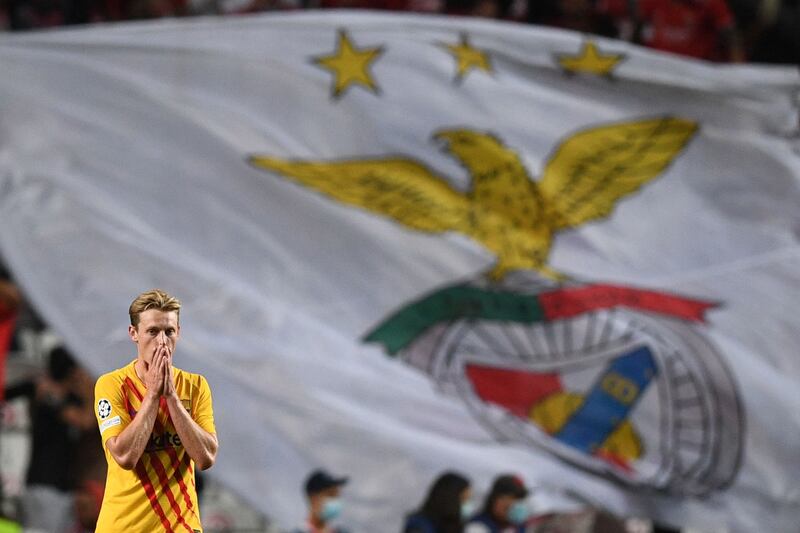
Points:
(505, 509)
(324, 504)
(446, 507)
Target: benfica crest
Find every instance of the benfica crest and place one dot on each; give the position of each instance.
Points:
(618, 381)
(615, 380)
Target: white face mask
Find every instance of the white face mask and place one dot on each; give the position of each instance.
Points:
(331, 509)
(467, 510)
(518, 513)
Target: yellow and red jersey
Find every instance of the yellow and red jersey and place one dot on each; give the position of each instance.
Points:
(159, 493)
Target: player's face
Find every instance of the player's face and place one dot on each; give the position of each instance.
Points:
(156, 328)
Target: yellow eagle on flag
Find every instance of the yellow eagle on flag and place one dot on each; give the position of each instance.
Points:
(505, 211)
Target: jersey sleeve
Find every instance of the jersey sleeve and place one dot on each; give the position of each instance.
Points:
(203, 410)
(109, 408)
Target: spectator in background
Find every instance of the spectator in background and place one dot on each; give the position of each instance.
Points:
(703, 29)
(9, 294)
(505, 509)
(61, 413)
(90, 465)
(38, 14)
(88, 500)
(353, 4)
(10, 300)
(3, 16)
(323, 493)
(445, 509)
(151, 9)
(774, 37)
(474, 8)
(586, 16)
(34, 14)
(27, 321)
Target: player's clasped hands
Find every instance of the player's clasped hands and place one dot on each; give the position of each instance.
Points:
(158, 377)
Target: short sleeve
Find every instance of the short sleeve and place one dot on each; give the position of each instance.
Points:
(203, 410)
(109, 408)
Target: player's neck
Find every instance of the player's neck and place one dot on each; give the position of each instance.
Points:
(140, 367)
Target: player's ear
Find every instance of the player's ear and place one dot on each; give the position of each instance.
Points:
(133, 333)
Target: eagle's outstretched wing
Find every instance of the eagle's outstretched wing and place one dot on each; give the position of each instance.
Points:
(398, 188)
(593, 169)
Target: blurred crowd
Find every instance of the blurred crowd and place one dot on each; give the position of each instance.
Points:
(62, 485)
(716, 30)
(450, 506)
(66, 475)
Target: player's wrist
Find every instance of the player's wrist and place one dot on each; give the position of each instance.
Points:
(172, 396)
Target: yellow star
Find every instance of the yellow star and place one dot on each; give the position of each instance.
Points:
(468, 58)
(350, 65)
(589, 60)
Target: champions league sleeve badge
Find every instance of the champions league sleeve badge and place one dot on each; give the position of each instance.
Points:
(103, 408)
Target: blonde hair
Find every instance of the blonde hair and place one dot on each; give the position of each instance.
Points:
(153, 299)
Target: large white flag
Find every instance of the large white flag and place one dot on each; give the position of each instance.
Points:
(410, 243)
